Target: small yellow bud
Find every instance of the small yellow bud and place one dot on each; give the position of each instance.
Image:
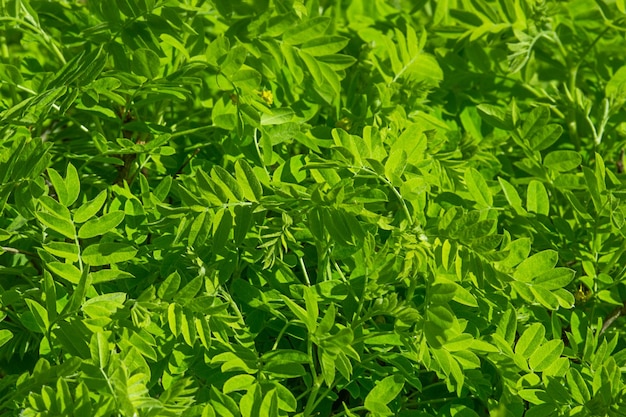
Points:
(267, 96)
(344, 123)
(582, 294)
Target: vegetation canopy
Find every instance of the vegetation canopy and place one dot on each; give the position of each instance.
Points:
(267, 208)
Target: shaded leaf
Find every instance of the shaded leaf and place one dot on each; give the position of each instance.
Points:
(146, 63)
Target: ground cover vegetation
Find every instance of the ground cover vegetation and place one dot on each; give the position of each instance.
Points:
(312, 208)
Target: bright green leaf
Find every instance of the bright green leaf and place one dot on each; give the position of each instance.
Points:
(545, 355)
(108, 253)
(307, 30)
(478, 188)
(90, 208)
(100, 225)
(107, 275)
(555, 278)
(64, 250)
(561, 161)
(537, 200)
(326, 45)
(530, 340)
(383, 393)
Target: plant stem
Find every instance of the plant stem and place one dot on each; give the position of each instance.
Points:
(17, 251)
(343, 413)
(306, 275)
(192, 131)
(310, 404)
(405, 209)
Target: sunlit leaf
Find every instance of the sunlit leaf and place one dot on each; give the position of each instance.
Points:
(108, 253)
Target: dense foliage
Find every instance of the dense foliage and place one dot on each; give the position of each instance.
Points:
(312, 208)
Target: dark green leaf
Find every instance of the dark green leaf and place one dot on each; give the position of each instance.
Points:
(169, 287)
(189, 291)
(495, 116)
(250, 185)
(146, 63)
(229, 185)
(222, 225)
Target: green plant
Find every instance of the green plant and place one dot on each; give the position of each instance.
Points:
(332, 208)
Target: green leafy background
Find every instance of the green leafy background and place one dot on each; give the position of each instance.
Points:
(312, 208)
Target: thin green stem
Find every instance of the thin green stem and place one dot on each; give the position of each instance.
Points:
(368, 336)
(192, 131)
(440, 400)
(355, 322)
(324, 394)
(233, 305)
(57, 108)
(17, 251)
(591, 46)
(53, 48)
(351, 410)
(306, 275)
(258, 150)
(310, 404)
(572, 88)
(281, 334)
(405, 208)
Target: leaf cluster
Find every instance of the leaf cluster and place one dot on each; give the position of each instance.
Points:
(312, 208)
